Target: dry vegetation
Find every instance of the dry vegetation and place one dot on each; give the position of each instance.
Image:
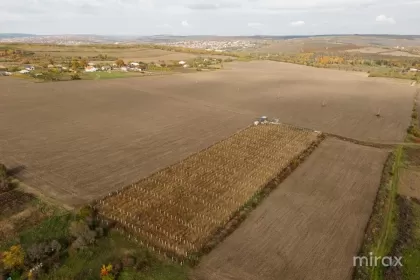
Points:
(18, 210)
(389, 52)
(409, 183)
(346, 53)
(311, 226)
(179, 208)
(410, 175)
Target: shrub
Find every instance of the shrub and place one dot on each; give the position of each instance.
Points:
(120, 63)
(14, 69)
(128, 261)
(50, 76)
(14, 258)
(40, 252)
(413, 130)
(4, 183)
(75, 76)
(85, 211)
(106, 272)
(83, 234)
(36, 253)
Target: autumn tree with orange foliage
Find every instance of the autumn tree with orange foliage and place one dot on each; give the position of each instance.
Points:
(14, 258)
(106, 273)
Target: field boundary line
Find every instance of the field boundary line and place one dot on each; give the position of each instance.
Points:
(379, 145)
(362, 142)
(381, 249)
(380, 222)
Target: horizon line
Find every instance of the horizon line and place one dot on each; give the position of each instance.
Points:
(215, 35)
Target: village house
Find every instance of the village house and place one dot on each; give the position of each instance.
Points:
(134, 64)
(90, 69)
(414, 70)
(29, 67)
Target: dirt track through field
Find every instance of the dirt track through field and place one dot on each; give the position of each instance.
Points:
(76, 141)
(310, 227)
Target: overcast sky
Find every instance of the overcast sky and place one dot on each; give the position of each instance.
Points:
(219, 17)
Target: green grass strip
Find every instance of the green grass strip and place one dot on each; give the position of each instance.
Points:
(382, 248)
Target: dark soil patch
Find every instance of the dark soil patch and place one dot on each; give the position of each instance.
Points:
(413, 156)
(405, 235)
(13, 201)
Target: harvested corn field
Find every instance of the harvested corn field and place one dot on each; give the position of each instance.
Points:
(179, 208)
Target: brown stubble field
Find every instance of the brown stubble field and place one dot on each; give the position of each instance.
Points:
(77, 141)
(311, 226)
(127, 54)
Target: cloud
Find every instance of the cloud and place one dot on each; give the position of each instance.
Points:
(203, 6)
(165, 25)
(255, 24)
(297, 23)
(88, 9)
(385, 19)
(213, 6)
(216, 17)
(326, 5)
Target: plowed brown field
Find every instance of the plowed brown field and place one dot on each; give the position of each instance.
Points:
(179, 208)
(79, 140)
(310, 227)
